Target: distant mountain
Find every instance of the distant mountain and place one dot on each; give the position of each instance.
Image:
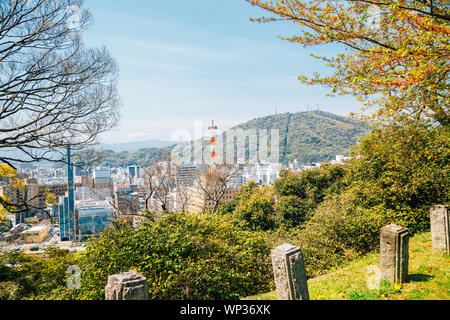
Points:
(313, 136)
(134, 146)
(118, 153)
(109, 158)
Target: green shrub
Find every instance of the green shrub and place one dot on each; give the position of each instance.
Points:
(405, 169)
(290, 202)
(292, 211)
(183, 256)
(257, 209)
(398, 174)
(298, 194)
(35, 277)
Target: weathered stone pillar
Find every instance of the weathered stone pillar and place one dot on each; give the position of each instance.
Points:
(394, 254)
(127, 286)
(440, 228)
(289, 272)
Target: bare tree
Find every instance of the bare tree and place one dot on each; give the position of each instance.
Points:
(160, 179)
(150, 183)
(19, 199)
(214, 182)
(182, 195)
(54, 92)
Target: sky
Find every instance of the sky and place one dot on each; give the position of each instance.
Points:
(183, 61)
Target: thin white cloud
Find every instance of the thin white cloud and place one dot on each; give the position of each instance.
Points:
(146, 64)
(189, 51)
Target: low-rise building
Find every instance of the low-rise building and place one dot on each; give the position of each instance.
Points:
(93, 217)
(36, 234)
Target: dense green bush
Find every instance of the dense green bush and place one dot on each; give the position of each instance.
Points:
(299, 194)
(292, 211)
(311, 184)
(380, 187)
(34, 277)
(404, 169)
(290, 202)
(257, 209)
(339, 231)
(183, 256)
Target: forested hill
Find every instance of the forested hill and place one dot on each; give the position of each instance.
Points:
(312, 136)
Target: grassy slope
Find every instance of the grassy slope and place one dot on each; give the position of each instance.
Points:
(429, 278)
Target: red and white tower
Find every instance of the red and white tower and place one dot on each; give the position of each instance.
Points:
(213, 135)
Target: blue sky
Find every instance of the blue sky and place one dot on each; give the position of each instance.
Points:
(196, 60)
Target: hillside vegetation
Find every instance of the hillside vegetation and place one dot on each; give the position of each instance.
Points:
(311, 136)
(429, 278)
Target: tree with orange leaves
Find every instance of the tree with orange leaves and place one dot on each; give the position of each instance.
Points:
(397, 57)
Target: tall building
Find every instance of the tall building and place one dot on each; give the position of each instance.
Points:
(66, 220)
(187, 174)
(100, 173)
(59, 190)
(87, 218)
(80, 170)
(67, 205)
(133, 171)
(262, 173)
(102, 182)
(29, 196)
(126, 200)
(198, 202)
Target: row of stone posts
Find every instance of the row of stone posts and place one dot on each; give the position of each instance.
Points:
(289, 269)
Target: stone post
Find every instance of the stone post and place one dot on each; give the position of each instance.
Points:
(394, 254)
(127, 286)
(289, 272)
(440, 228)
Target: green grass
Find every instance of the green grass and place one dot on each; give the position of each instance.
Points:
(429, 278)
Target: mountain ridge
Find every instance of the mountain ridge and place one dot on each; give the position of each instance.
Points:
(308, 136)
(134, 146)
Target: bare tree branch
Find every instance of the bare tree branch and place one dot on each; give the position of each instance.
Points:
(54, 92)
